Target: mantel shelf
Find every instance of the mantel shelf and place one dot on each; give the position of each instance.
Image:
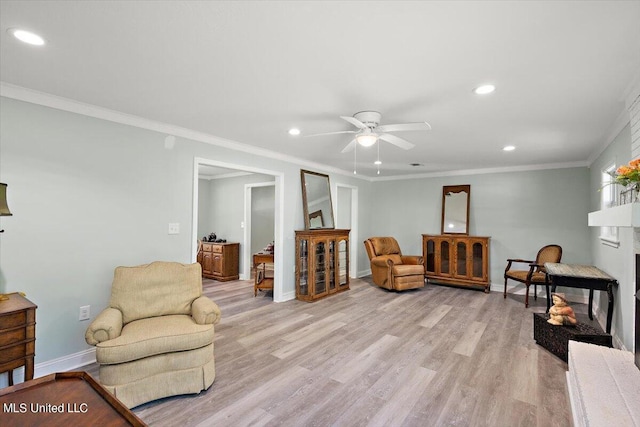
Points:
(619, 216)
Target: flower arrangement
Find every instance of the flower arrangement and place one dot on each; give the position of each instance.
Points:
(628, 174)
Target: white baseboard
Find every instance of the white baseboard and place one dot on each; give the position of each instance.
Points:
(61, 364)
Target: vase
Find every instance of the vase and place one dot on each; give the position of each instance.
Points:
(630, 194)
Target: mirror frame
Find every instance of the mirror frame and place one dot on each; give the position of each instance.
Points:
(305, 207)
(446, 189)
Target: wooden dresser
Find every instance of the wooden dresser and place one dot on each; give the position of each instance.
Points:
(219, 261)
(17, 335)
(457, 259)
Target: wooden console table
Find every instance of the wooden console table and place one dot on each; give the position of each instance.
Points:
(67, 398)
(261, 279)
(584, 277)
(17, 335)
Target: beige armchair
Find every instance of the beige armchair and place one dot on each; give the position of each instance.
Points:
(390, 269)
(156, 337)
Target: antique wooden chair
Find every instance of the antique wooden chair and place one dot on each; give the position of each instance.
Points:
(536, 272)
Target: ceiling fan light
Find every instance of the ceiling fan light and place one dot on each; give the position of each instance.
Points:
(484, 89)
(367, 139)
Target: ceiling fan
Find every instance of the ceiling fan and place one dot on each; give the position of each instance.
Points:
(369, 131)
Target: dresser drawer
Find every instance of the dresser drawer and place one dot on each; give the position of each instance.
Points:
(216, 249)
(12, 336)
(17, 351)
(10, 321)
(206, 247)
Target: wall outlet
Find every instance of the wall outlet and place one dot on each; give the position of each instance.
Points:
(174, 228)
(85, 312)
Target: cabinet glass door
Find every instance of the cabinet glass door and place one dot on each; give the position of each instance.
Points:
(430, 262)
(320, 273)
(343, 263)
(461, 259)
(444, 257)
(303, 272)
(332, 266)
(477, 257)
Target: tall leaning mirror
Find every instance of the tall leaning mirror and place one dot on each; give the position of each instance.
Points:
(316, 200)
(455, 209)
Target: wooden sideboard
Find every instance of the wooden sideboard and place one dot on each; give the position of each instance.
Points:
(457, 259)
(219, 261)
(322, 263)
(17, 335)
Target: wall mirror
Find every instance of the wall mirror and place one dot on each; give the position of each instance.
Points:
(455, 209)
(316, 200)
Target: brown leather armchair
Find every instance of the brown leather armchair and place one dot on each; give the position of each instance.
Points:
(390, 269)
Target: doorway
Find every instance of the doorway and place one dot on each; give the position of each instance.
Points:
(278, 225)
(346, 197)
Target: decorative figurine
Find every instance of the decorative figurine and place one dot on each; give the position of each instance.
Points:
(561, 313)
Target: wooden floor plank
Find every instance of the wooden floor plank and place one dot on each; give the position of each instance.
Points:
(436, 356)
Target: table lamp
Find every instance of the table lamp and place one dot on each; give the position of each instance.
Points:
(4, 211)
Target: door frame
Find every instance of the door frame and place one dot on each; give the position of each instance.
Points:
(353, 236)
(246, 251)
(278, 218)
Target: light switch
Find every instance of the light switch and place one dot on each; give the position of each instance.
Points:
(174, 228)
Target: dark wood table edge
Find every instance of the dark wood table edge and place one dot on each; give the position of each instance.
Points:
(118, 406)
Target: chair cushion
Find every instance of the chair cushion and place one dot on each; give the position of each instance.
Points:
(521, 276)
(154, 335)
(385, 245)
(407, 270)
(155, 289)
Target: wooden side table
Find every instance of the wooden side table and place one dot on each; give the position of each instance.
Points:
(261, 280)
(17, 335)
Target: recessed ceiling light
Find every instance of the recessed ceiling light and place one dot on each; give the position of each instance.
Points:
(509, 148)
(27, 36)
(294, 131)
(484, 89)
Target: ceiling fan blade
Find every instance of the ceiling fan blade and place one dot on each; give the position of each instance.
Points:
(404, 127)
(350, 146)
(331, 133)
(357, 123)
(398, 142)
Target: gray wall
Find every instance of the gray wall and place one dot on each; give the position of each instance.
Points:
(520, 211)
(618, 262)
(88, 195)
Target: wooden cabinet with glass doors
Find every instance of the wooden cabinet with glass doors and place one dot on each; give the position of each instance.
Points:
(459, 260)
(322, 263)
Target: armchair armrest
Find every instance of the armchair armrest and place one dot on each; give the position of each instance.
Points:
(106, 326)
(204, 311)
(381, 262)
(520, 260)
(412, 259)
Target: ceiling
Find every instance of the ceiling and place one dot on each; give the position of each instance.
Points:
(248, 71)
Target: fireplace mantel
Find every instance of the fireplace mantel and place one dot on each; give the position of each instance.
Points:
(619, 216)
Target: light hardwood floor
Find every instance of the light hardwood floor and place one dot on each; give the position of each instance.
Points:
(437, 356)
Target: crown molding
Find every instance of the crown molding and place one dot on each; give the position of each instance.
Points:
(20, 93)
(505, 169)
(32, 96)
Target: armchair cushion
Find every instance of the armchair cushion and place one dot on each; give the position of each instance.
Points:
(154, 335)
(407, 270)
(173, 288)
(521, 275)
(385, 245)
(395, 259)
